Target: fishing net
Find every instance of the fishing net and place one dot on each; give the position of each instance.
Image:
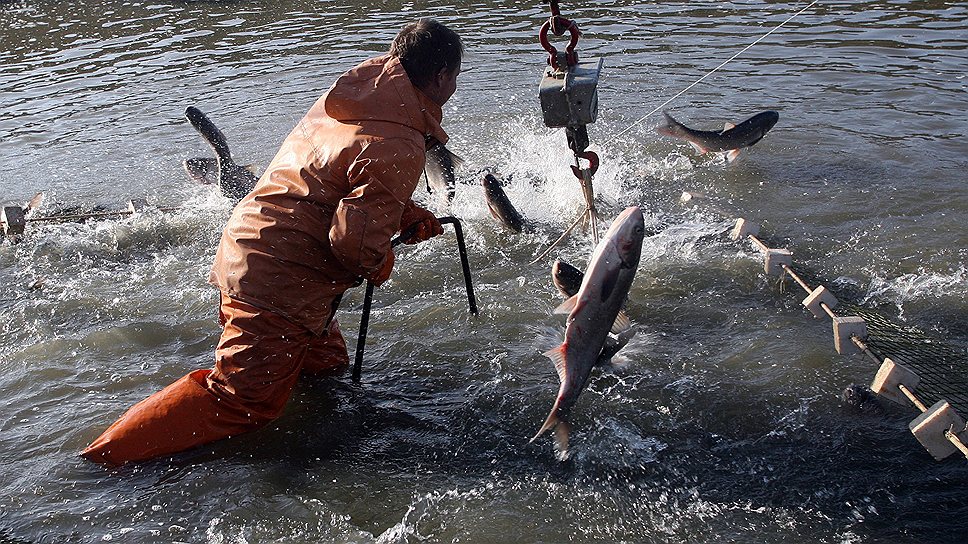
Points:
(942, 370)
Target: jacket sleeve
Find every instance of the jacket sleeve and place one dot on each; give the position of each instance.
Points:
(382, 179)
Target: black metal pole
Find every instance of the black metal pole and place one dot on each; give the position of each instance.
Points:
(361, 339)
(368, 296)
(465, 265)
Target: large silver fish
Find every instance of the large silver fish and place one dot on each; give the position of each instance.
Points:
(235, 181)
(592, 313)
(729, 140)
(500, 205)
(441, 171)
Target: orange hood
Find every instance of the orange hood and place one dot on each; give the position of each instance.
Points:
(380, 90)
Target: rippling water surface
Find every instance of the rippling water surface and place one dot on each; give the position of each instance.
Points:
(727, 424)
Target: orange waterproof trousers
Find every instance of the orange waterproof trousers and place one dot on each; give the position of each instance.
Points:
(257, 362)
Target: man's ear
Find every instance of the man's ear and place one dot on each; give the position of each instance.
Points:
(440, 76)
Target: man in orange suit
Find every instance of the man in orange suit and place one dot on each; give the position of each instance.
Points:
(319, 219)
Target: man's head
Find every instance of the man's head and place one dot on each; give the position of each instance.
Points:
(431, 54)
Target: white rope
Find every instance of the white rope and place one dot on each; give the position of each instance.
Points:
(711, 72)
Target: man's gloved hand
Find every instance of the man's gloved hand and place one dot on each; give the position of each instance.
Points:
(424, 223)
(383, 274)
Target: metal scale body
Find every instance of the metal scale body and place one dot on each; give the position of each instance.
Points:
(568, 93)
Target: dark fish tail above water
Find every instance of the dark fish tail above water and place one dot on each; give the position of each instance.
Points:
(234, 181)
(593, 313)
(729, 140)
(500, 205)
(441, 171)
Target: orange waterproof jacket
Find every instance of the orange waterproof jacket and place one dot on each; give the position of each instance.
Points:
(324, 211)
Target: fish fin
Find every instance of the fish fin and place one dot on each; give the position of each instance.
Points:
(731, 155)
(455, 159)
(728, 126)
(557, 356)
(551, 422)
(35, 202)
(494, 213)
(567, 306)
(622, 323)
(699, 149)
(562, 430)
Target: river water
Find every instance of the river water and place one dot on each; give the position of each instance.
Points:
(727, 424)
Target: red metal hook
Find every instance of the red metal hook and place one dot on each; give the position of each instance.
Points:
(593, 163)
(560, 24)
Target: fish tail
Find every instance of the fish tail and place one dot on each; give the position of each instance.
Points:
(561, 439)
(670, 126)
(561, 428)
(211, 133)
(551, 421)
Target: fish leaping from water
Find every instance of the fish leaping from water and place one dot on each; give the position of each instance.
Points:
(730, 140)
(234, 181)
(594, 312)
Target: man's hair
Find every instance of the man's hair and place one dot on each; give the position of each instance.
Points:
(425, 47)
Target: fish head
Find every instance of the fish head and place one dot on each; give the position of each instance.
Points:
(203, 170)
(764, 121)
(626, 234)
(566, 278)
(490, 182)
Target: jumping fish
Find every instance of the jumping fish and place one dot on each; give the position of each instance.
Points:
(441, 171)
(568, 280)
(234, 181)
(592, 313)
(730, 140)
(499, 204)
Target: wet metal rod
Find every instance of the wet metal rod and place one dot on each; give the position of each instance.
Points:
(368, 295)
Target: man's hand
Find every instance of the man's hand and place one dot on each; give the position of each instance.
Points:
(383, 274)
(423, 223)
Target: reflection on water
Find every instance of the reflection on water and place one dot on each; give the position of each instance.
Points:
(727, 424)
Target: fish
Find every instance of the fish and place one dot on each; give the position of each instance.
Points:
(203, 170)
(499, 204)
(13, 219)
(234, 181)
(566, 278)
(730, 140)
(861, 399)
(594, 312)
(440, 171)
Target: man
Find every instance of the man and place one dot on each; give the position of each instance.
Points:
(319, 219)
